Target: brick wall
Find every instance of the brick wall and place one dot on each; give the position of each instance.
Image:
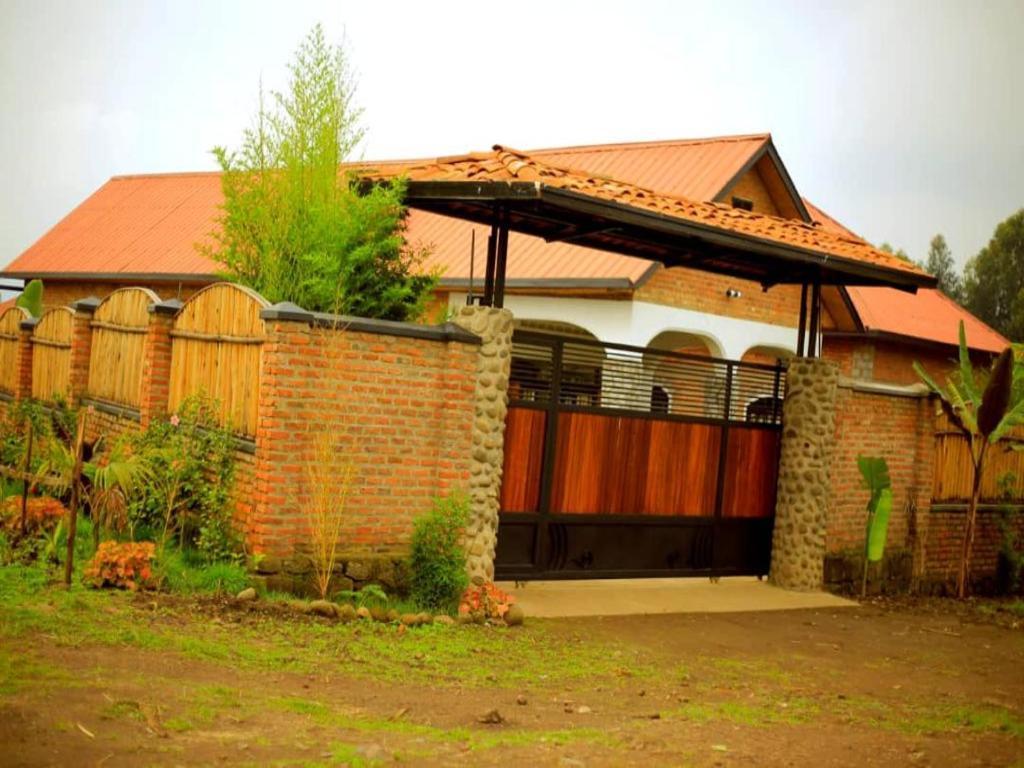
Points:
(944, 544)
(401, 409)
(705, 292)
(62, 293)
(896, 428)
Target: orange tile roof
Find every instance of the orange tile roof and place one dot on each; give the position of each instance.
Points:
(504, 164)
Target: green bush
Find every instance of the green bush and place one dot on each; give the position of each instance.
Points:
(188, 491)
(437, 561)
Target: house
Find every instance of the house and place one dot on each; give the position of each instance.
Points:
(621, 311)
(144, 230)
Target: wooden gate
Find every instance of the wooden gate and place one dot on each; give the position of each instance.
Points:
(627, 461)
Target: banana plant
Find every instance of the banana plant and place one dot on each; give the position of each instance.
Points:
(874, 472)
(31, 298)
(984, 409)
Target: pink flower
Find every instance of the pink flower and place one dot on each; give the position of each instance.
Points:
(175, 421)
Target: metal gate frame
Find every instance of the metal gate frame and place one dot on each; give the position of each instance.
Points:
(719, 546)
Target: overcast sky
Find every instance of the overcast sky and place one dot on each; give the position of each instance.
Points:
(901, 119)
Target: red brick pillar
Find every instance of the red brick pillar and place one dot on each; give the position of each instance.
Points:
(274, 476)
(81, 347)
(156, 365)
(23, 387)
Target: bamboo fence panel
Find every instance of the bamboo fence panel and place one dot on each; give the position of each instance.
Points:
(118, 346)
(216, 346)
(10, 322)
(51, 355)
(954, 470)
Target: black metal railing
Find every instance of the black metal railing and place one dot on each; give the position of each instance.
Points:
(593, 375)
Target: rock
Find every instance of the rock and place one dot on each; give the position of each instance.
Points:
(424, 618)
(378, 613)
(409, 619)
(571, 762)
(583, 709)
(363, 612)
(324, 608)
(464, 618)
(515, 616)
(246, 595)
(444, 619)
(521, 700)
(492, 717)
(393, 615)
(346, 612)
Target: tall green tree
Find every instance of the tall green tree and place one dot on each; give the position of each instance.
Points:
(295, 224)
(940, 264)
(994, 279)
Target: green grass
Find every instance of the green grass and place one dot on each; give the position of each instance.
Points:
(469, 738)
(184, 573)
(437, 655)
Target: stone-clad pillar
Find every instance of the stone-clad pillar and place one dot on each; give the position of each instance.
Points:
(808, 434)
(494, 363)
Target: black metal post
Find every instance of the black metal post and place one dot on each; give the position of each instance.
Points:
(812, 341)
(492, 243)
(502, 259)
(547, 472)
(800, 333)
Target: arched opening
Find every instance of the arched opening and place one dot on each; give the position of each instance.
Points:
(758, 394)
(693, 387)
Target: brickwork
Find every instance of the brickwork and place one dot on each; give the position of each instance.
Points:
(156, 365)
(899, 429)
(401, 408)
(944, 547)
(706, 292)
(63, 293)
(23, 390)
(81, 347)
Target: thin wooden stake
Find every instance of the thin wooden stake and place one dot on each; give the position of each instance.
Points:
(76, 481)
(25, 482)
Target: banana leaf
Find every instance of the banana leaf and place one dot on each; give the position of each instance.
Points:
(878, 526)
(31, 298)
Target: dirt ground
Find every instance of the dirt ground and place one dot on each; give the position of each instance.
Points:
(144, 680)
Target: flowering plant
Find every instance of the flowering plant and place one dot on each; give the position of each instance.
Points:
(486, 600)
(125, 565)
(41, 513)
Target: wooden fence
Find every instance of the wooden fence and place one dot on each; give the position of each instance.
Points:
(954, 473)
(119, 328)
(10, 321)
(216, 345)
(51, 355)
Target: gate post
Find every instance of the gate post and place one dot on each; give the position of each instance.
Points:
(493, 366)
(808, 434)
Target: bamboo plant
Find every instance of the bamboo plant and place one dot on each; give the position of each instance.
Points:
(984, 410)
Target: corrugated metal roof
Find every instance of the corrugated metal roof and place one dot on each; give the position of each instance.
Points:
(928, 314)
(694, 169)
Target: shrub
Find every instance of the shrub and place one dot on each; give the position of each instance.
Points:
(486, 600)
(42, 514)
(124, 565)
(437, 561)
(187, 491)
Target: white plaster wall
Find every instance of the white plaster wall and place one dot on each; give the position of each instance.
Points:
(637, 322)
